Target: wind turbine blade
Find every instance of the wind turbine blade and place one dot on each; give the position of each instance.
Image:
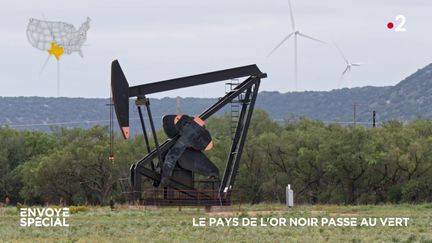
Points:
(342, 75)
(44, 65)
(58, 78)
(346, 70)
(281, 43)
(50, 30)
(295, 63)
(292, 16)
(358, 64)
(341, 79)
(341, 53)
(311, 38)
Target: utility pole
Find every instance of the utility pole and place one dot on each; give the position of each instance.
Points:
(354, 113)
(178, 105)
(355, 104)
(111, 128)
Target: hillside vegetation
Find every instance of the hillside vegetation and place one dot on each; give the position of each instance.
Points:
(408, 100)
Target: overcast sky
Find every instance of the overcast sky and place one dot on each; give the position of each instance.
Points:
(157, 40)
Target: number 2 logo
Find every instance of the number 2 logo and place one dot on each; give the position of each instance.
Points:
(400, 23)
(400, 26)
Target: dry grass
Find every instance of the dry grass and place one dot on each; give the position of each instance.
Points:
(144, 224)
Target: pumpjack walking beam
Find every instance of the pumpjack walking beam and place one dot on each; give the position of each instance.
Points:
(122, 92)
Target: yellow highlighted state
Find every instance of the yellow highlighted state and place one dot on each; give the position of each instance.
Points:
(56, 50)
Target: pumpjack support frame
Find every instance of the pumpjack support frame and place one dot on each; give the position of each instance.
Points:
(248, 90)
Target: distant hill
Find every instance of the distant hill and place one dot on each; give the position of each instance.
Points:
(408, 100)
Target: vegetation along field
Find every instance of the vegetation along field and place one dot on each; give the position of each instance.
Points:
(368, 172)
(324, 163)
(101, 224)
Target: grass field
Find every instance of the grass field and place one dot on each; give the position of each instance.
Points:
(138, 224)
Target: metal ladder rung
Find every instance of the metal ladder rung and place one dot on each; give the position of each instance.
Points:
(235, 104)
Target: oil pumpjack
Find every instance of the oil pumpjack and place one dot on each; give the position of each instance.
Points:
(172, 165)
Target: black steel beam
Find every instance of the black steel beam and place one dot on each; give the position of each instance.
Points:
(200, 79)
(162, 148)
(234, 145)
(228, 98)
(121, 90)
(187, 202)
(242, 138)
(153, 129)
(146, 140)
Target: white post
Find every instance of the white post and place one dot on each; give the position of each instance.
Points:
(289, 196)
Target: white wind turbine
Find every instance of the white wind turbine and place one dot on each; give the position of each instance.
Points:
(349, 64)
(295, 33)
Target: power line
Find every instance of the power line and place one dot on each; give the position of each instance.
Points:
(63, 123)
(55, 123)
(351, 122)
(337, 122)
(137, 118)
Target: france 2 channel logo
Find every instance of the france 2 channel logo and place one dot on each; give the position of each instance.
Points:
(398, 24)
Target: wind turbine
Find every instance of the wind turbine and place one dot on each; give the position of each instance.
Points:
(295, 33)
(349, 64)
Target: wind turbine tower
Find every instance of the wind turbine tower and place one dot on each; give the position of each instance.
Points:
(295, 34)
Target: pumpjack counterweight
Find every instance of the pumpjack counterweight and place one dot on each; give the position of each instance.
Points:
(182, 155)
